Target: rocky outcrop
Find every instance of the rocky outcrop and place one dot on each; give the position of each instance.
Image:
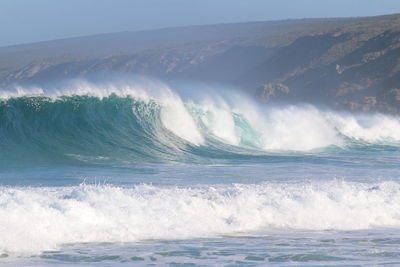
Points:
(272, 91)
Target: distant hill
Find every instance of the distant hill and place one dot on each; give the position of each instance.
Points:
(347, 63)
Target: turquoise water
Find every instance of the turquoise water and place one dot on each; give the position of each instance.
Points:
(128, 174)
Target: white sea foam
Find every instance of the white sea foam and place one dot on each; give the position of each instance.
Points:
(368, 128)
(217, 116)
(299, 128)
(37, 219)
(176, 118)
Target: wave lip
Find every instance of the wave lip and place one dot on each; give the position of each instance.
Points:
(37, 219)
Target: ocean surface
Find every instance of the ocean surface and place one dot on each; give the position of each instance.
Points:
(145, 173)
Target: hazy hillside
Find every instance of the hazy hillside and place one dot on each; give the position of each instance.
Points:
(351, 63)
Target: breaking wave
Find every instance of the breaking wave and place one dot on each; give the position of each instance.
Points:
(118, 123)
(37, 219)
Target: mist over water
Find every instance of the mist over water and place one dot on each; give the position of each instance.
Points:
(122, 164)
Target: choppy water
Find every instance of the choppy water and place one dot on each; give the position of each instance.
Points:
(120, 174)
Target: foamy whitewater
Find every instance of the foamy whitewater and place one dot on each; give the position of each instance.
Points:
(122, 173)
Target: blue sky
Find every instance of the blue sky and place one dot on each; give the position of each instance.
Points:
(23, 21)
